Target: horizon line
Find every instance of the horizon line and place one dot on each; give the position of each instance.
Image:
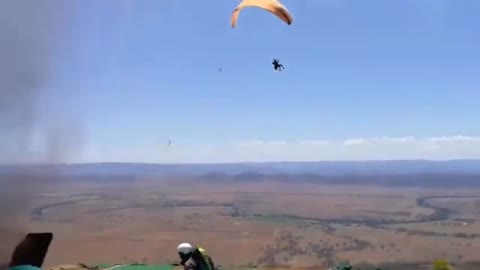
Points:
(236, 163)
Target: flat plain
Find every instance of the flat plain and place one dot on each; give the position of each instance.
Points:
(264, 223)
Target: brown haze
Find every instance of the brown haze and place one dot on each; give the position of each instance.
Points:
(29, 34)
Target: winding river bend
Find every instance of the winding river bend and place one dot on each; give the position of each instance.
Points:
(39, 212)
(439, 213)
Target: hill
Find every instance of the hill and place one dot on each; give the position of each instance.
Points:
(320, 167)
(453, 173)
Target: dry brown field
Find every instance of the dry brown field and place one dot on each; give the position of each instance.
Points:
(298, 225)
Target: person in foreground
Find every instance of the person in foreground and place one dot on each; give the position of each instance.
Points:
(194, 258)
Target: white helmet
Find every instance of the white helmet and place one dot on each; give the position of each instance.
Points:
(184, 248)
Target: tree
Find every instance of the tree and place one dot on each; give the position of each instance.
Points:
(441, 265)
(344, 266)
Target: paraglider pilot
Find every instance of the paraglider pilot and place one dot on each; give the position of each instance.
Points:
(191, 259)
(276, 65)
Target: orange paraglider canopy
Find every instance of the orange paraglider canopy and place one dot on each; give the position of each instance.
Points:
(273, 6)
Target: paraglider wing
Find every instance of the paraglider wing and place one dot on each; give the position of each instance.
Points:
(273, 6)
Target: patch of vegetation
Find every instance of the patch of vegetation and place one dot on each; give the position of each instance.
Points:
(441, 265)
(278, 219)
(435, 265)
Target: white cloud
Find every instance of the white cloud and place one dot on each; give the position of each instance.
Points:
(375, 148)
(250, 143)
(356, 141)
(314, 142)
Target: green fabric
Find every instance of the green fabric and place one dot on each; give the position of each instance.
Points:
(24, 267)
(205, 258)
(138, 267)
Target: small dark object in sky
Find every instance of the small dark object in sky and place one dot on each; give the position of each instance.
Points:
(277, 66)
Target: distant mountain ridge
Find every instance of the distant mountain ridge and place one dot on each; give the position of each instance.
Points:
(326, 168)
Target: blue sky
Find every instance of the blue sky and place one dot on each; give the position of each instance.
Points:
(137, 73)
